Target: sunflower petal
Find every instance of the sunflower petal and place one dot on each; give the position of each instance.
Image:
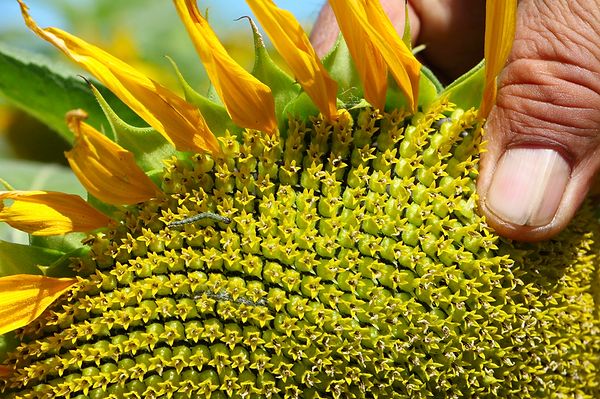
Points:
(180, 122)
(249, 102)
(23, 297)
(49, 213)
(368, 60)
(106, 169)
(294, 47)
(500, 22)
(369, 16)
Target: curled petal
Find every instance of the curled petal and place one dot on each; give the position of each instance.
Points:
(368, 60)
(180, 122)
(294, 47)
(500, 22)
(23, 298)
(249, 102)
(47, 213)
(106, 170)
(370, 17)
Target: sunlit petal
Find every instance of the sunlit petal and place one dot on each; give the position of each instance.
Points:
(370, 17)
(293, 45)
(368, 60)
(249, 102)
(23, 297)
(180, 122)
(500, 22)
(49, 213)
(106, 170)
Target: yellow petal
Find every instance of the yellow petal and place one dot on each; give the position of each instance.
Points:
(368, 60)
(49, 213)
(294, 47)
(180, 122)
(249, 102)
(370, 17)
(23, 297)
(500, 22)
(106, 170)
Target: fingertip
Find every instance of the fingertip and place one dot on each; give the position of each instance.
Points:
(524, 233)
(530, 193)
(325, 31)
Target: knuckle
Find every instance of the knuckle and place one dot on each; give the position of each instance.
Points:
(550, 89)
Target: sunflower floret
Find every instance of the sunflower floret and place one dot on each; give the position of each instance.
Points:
(354, 264)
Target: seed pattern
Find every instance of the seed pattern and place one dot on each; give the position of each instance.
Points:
(354, 265)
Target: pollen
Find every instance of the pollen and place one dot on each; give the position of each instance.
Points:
(342, 260)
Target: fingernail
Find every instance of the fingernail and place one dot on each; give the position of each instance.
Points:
(528, 185)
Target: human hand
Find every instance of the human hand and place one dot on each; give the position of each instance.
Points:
(543, 134)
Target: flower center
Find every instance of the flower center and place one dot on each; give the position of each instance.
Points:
(346, 258)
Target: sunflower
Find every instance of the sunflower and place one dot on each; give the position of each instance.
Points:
(307, 236)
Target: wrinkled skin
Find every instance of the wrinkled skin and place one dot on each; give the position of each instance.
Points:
(548, 100)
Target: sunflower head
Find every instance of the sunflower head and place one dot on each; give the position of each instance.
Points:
(291, 240)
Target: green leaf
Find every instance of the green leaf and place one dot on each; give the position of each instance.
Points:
(48, 92)
(26, 175)
(25, 259)
(467, 91)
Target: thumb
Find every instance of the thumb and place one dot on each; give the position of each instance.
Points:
(544, 132)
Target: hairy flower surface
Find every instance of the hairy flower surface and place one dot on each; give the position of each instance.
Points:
(301, 242)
